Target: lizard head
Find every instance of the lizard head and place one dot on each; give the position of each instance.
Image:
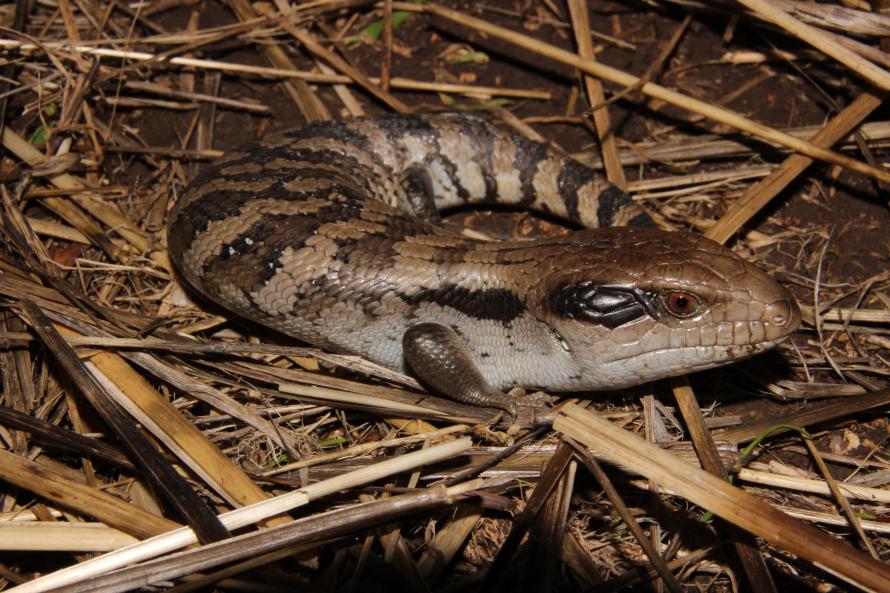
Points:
(635, 305)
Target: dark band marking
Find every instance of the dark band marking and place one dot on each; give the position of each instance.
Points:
(196, 216)
(609, 306)
(642, 219)
(528, 156)
(572, 177)
(267, 238)
(483, 139)
(450, 168)
(496, 304)
(253, 260)
(397, 127)
(609, 202)
(340, 130)
(371, 252)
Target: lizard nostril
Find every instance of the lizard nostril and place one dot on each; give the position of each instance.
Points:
(783, 314)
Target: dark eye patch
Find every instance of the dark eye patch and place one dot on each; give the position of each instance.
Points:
(609, 306)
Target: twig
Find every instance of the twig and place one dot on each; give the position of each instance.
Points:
(159, 89)
(818, 415)
(83, 499)
(800, 484)
(760, 194)
(839, 496)
(754, 564)
(596, 96)
(310, 43)
(308, 530)
(242, 517)
(611, 492)
(740, 508)
(720, 114)
(877, 76)
(176, 489)
(386, 66)
(290, 73)
(51, 536)
(306, 99)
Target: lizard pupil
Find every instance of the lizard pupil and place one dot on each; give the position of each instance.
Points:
(681, 304)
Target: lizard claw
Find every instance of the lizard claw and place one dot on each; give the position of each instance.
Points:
(530, 410)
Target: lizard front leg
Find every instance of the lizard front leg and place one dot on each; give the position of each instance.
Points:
(439, 358)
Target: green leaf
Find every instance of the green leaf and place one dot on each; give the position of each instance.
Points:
(468, 57)
(278, 461)
(334, 442)
(38, 136)
(373, 31)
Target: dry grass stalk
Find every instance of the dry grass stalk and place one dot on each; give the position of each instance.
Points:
(365, 448)
(448, 541)
(56, 437)
(386, 65)
(839, 496)
(736, 506)
(175, 377)
(808, 515)
(761, 193)
(825, 413)
(180, 538)
(223, 577)
(878, 527)
(215, 398)
(293, 74)
(745, 544)
(820, 41)
(597, 96)
(56, 230)
(549, 481)
(51, 536)
(812, 486)
(133, 393)
(306, 100)
(313, 529)
(708, 110)
(548, 533)
(309, 42)
(352, 105)
(83, 499)
(684, 152)
(164, 91)
(645, 573)
(96, 207)
(827, 16)
(174, 487)
(579, 560)
(391, 403)
(524, 462)
(658, 563)
(847, 315)
(694, 183)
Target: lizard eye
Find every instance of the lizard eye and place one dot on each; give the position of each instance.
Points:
(681, 304)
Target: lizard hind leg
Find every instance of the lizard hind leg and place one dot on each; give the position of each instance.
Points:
(416, 194)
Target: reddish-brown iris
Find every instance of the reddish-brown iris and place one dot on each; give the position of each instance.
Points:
(681, 304)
